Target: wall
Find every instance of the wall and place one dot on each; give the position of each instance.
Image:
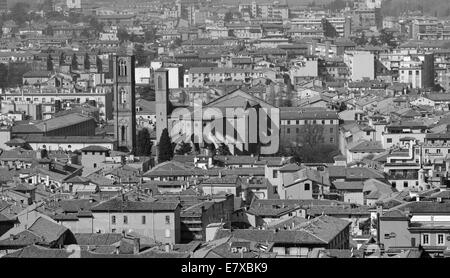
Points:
(400, 228)
(154, 227)
(299, 191)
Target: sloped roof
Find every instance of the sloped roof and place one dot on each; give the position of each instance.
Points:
(349, 185)
(368, 146)
(49, 231)
(97, 239)
(119, 205)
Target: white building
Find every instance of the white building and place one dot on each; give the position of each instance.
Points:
(361, 65)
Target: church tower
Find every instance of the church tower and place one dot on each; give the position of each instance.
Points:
(162, 101)
(124, 102)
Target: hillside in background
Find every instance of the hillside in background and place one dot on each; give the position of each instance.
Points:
(440, 8)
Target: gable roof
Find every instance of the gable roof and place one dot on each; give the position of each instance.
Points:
(120, 205)
(238, 99)
(49, 231)
(318, 231)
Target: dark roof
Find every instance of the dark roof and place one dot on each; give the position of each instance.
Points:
(318, 231)
(349, 185)
(48, 230)
(119, 205)
(94, 148)
(97, 239)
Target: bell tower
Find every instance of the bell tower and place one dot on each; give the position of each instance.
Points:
(162, 100)
(124, 102)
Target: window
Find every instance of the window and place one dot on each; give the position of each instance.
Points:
(331, 130)
(275, 174)
(297, 130)
(405, 184)
(426, 150)
(438, 151)
(440, 239)
(125, 219)
(367, 133)
(143, 219)
(307, 187)
(122, 68)
(95, 165)
(123, 133)
(167, 219)
(113, 219)
(394, 184)
(426, 239)
(167, 232)
(288, 130)
(331, 140)
(389, 140)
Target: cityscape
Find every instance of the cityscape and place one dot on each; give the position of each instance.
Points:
(225, 129)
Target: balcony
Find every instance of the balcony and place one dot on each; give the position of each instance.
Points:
(409, 176)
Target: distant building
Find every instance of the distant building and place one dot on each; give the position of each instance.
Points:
(361, 65)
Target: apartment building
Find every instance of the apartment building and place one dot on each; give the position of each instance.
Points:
(294, 122)
(197, 77)
(157, 220)
(361, 65)
(417, 70)
(341, 24)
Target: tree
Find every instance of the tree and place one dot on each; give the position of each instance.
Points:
(49, 63)
(183, 97)
(140, 54)
(144, 143)
(165, 147)
(19, 13)
(74, 62)
(15, 73)
(62, 58)
(184, 148)
(312, 149)
(3, 76)
(387, 38)
(223, 150)
(228, 17)
(374, 41)
(177, 42)
(150, 35)
(99, 64)
(362, 40)
(98, 26)
(85, 33)
(87, 63)
(122, 35)
(44, 153)
(328, 29)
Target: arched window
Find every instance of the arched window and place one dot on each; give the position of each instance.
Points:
(123, 95)
(159, 82)
(123, 133)
(122, 68)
